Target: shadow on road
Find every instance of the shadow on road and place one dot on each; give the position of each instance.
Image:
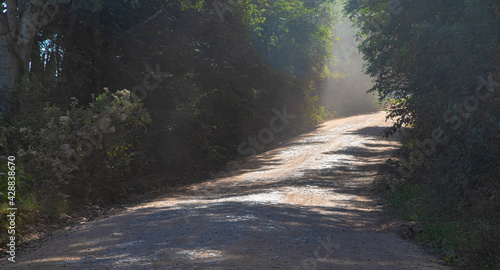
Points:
(323, 219)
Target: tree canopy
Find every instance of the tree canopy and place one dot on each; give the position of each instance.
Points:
(436, 66)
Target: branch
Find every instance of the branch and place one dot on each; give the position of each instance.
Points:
(147, 20)
(3, 24)
(43, 11)
(12, 17)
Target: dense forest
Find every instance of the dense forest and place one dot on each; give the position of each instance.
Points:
(437, 65)
(200, 76)
(102, 100)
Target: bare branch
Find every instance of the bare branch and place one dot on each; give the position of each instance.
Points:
(147, 20)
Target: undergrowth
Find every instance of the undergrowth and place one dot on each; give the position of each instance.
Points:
(68, 158)
(464, 236)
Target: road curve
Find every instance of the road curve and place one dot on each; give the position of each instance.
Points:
(303, 205)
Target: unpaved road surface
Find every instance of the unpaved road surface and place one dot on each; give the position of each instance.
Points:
(304, 205)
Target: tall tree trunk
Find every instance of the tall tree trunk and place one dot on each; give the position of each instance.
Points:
(18, 29)
(10, 72)
(36, 62)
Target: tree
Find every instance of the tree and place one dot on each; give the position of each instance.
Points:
(20, 21)
(436, 62)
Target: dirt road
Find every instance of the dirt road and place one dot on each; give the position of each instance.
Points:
(304, 205)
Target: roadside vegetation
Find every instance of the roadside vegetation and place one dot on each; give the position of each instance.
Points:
(116, 98)
(102, 100)
(437, 63)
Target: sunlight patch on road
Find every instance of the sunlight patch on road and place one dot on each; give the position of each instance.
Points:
(239, 218)
(200, 254)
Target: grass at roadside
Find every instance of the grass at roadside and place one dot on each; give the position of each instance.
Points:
(464, 235)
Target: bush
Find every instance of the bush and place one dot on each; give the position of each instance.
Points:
(437, 64)
(68, 158)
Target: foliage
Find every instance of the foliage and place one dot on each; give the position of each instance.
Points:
(21, 188)
(68, 158)
(344, 91)
(436, 62)
(220, 87)
(465, 239)
(212, 75)
(291, 35)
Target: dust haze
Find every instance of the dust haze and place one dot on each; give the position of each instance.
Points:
(345, 93)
